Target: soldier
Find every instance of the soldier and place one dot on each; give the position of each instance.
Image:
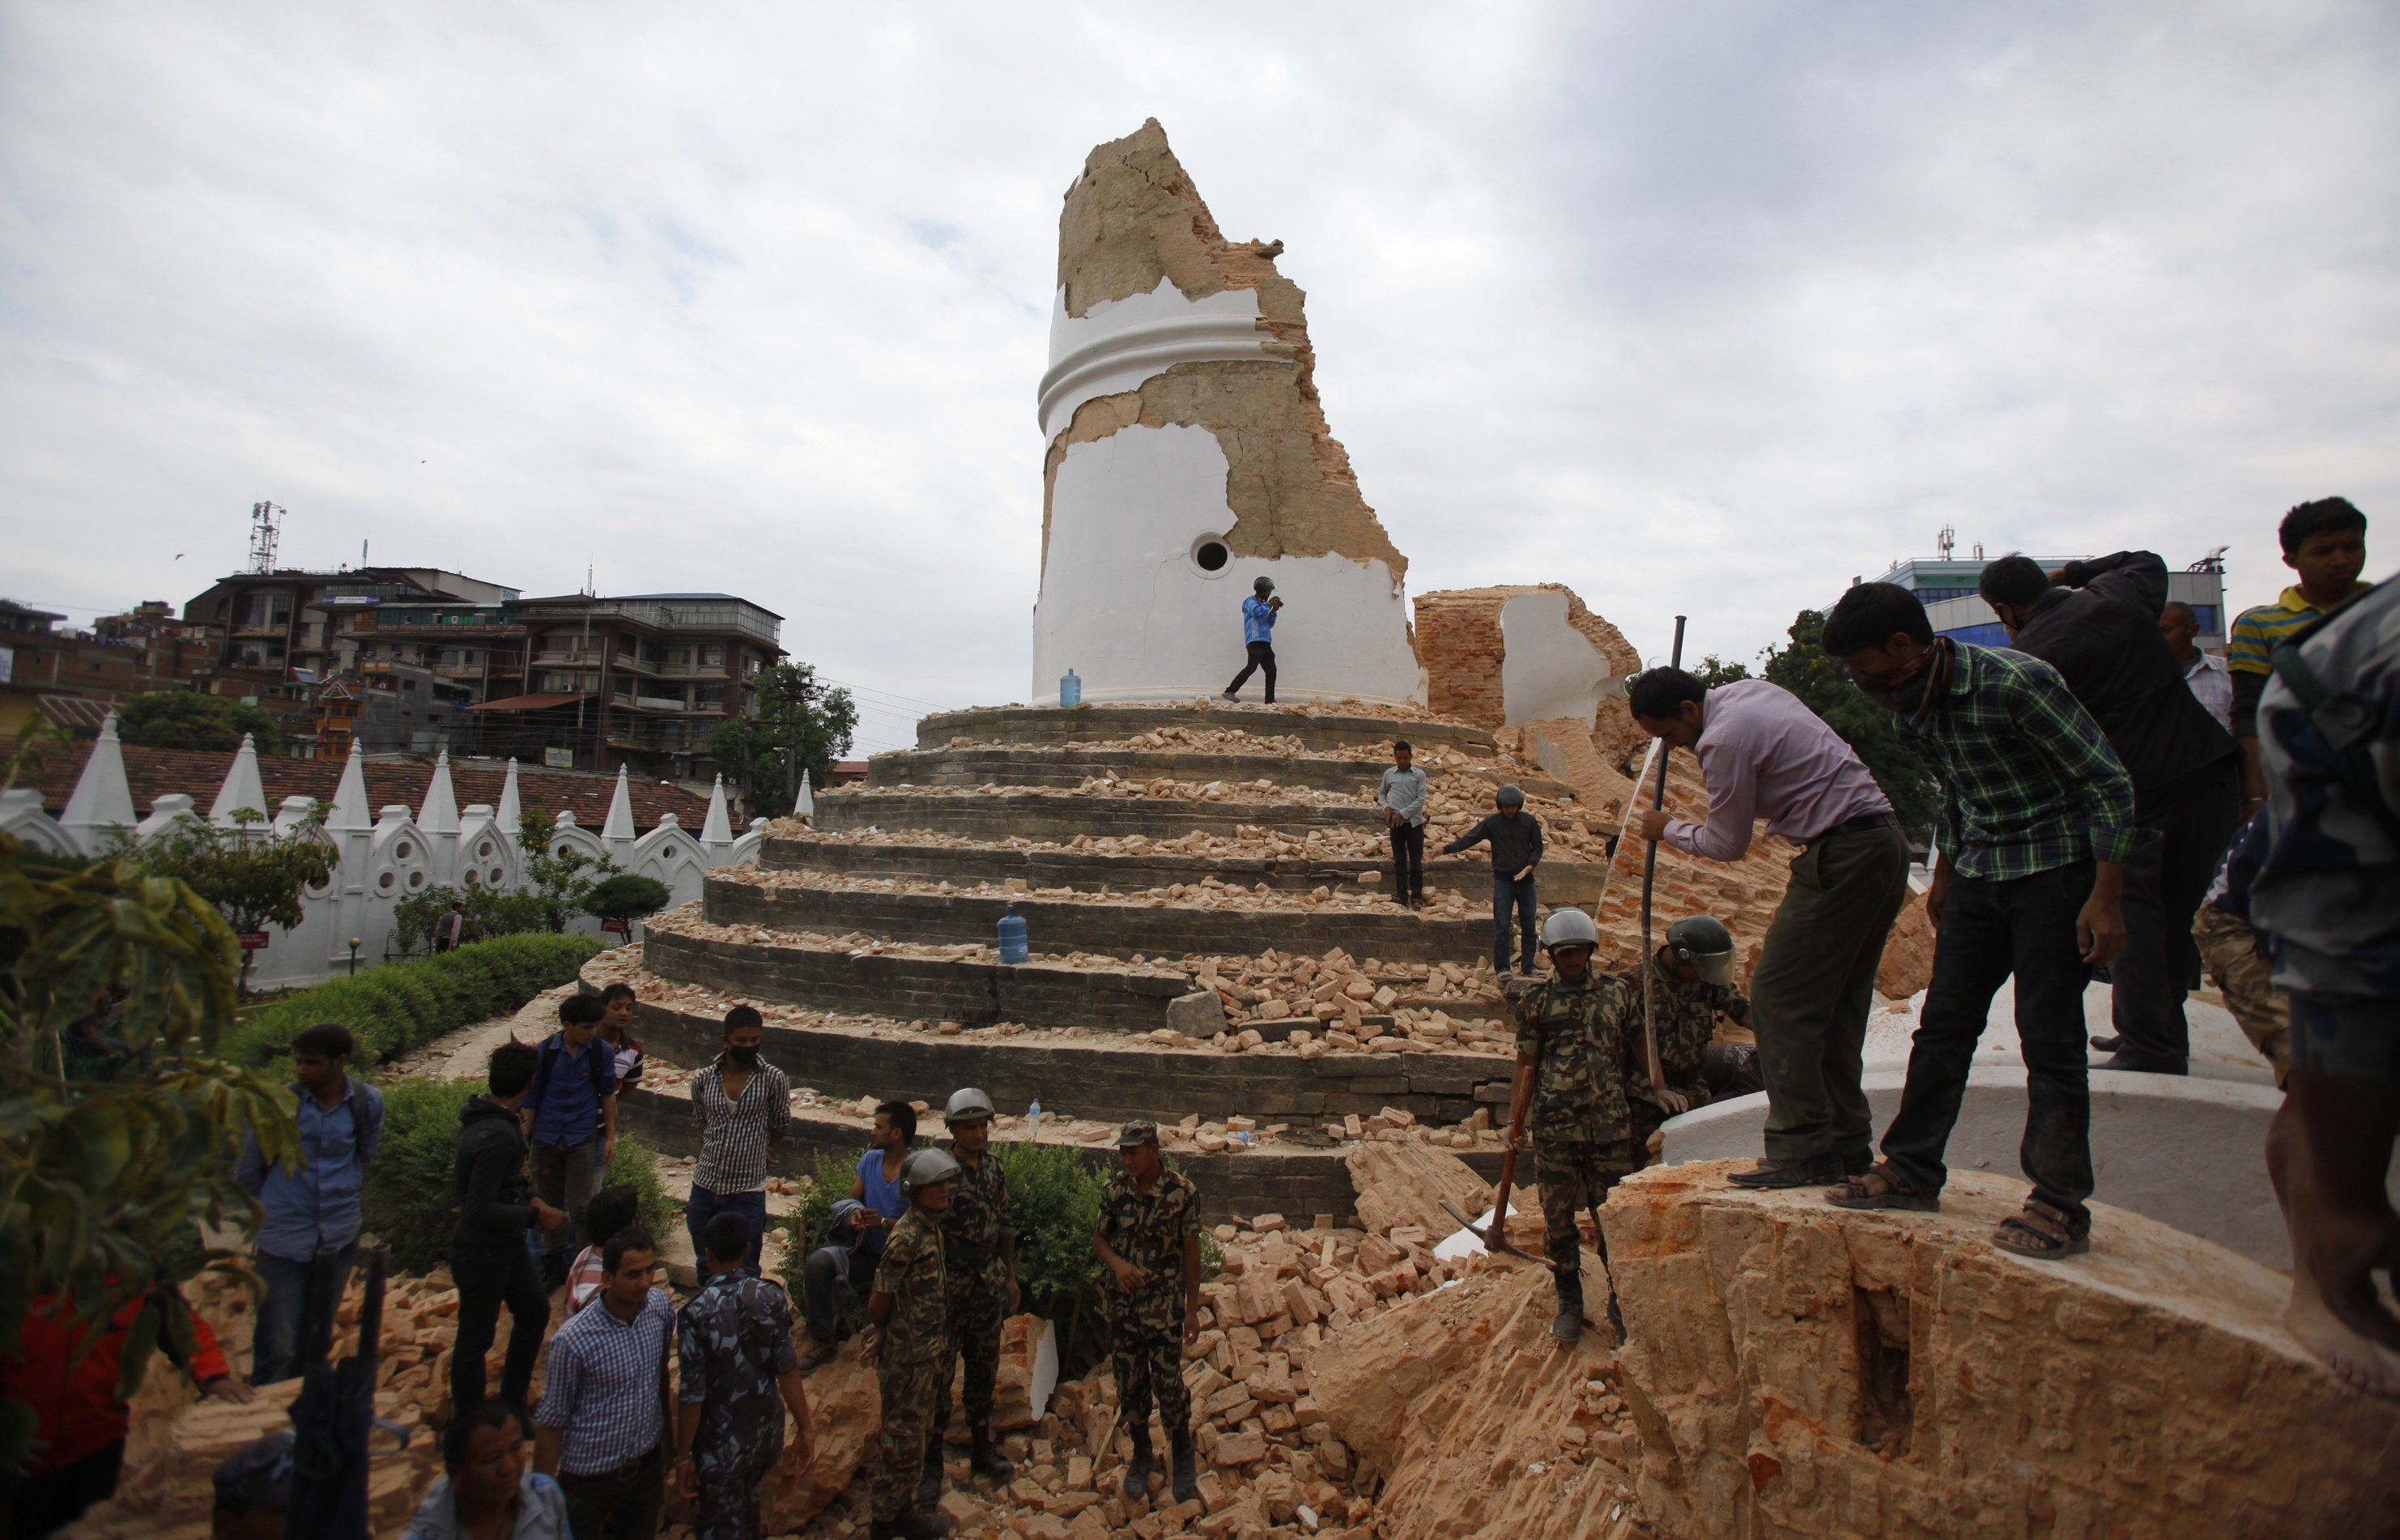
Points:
(979, 1285)
(907, 1343)
(1576, 1031)
(1691, 985)
(740, 1372)
(1150, 1240)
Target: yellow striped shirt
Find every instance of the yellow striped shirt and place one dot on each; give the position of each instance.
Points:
(2256, 633)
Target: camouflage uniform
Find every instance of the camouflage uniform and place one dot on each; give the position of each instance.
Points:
(1684, 1017)
(733, 1342)
(913, 1365)
(1146, 1327)
(1583, 1036)
(2228, 947)
(977, 1244)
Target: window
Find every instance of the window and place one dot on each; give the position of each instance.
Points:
(712, 655)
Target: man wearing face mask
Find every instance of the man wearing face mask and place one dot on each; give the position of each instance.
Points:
(740, 1108)
(2036, 822)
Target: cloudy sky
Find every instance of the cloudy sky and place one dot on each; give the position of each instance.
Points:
(1700, 308)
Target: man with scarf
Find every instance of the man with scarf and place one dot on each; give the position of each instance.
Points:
(741, 1109)
(2036, 822)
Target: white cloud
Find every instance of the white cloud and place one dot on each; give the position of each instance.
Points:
(1694, 308)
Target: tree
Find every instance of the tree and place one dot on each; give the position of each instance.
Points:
(1873, 733)
(111, 1161)
(187, 719)
(800, 725)
(626, 897)
(1714, 671)
(563, 880)
(255, 877)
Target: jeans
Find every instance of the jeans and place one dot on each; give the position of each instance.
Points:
(1408, 861)
(704, 1205)
(617, 1505)
(2194, 819)
(1814, 987)
(566, 1176)
(1262, 657)
(277, 1352)
(488, 1277)
(1512, 894)
(826, 1291)
(1990, 931)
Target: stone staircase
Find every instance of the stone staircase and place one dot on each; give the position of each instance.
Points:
(1208, 896)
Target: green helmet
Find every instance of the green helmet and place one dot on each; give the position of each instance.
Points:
(1702, 941)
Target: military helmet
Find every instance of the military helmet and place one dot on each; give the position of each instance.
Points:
(1569, 928)
(967, 1104)
(1263, 587)
(927, 1168)
(1137, 1132)
(1702, 941)
(1510, 796)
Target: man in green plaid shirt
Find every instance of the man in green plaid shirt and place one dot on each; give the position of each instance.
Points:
(2037, 822)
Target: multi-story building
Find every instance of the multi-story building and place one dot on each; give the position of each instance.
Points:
(1947, 588)
(307, 626)
(642, 680)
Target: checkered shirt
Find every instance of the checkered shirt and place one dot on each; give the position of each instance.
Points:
(602, 1382)
(2028, 779)
(734, 1136)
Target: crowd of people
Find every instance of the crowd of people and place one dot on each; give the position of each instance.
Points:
(2113, 803)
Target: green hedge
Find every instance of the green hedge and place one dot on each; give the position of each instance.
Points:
(404, 1005)
(411, 1201)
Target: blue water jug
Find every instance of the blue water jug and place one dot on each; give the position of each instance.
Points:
(1012, 937)
(1071, 691)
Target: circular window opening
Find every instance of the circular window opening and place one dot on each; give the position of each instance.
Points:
(494, 875)
(415, 881)
(670, 853)
(472, 878)
(384, 881)
(404, 852)
(484, 850)
(1210, 555)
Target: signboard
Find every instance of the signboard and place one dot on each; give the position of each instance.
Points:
(254, 941)
(618, 927)
(558, 758)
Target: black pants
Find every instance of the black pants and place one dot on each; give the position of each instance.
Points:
(1990, 931)
(1262, 657)
(617, 1505)
(2194, 820)
(1512, 895)
(32, 1507)
(488, 1277)
(1408, 861)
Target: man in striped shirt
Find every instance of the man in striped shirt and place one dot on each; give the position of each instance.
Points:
(2037, 822)
(2326, 543)
(740, 1109)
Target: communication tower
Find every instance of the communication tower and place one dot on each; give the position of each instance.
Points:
(265, 529)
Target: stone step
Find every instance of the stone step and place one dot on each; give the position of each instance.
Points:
(1098, 871)
(1096, 1078)
(795, 969)
(1299, 1183)
(1034, 815)
(1106, 723)
(1150, 928)
(1059, 766)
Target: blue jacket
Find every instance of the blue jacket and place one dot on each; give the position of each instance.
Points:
(316, 1208)
(1257, 620)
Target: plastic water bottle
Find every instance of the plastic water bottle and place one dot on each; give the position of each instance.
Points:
(1071, 691)
(1033, 1120)
(1012, 937)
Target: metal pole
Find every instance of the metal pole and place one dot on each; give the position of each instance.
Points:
(1649, 878)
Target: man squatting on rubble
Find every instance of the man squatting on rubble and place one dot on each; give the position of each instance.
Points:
(1765, 755)
(1578, 1033)
(978, 1289)
(1691, 985)
(908, 1344)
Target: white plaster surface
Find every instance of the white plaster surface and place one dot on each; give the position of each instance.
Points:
(1548, 668)
(1118, 344)
(1124, 605)
(2185, 1151)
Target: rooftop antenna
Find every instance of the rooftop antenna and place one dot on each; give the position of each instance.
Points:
(1979, 551)
(266, 529)
(363, 555)
(1946, 542)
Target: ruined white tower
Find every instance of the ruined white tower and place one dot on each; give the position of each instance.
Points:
(1189, 456)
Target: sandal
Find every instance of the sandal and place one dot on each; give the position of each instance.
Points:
(1860, 1191)
(2042, 1231)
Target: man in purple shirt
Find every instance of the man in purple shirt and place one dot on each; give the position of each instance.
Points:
(1765, 756)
